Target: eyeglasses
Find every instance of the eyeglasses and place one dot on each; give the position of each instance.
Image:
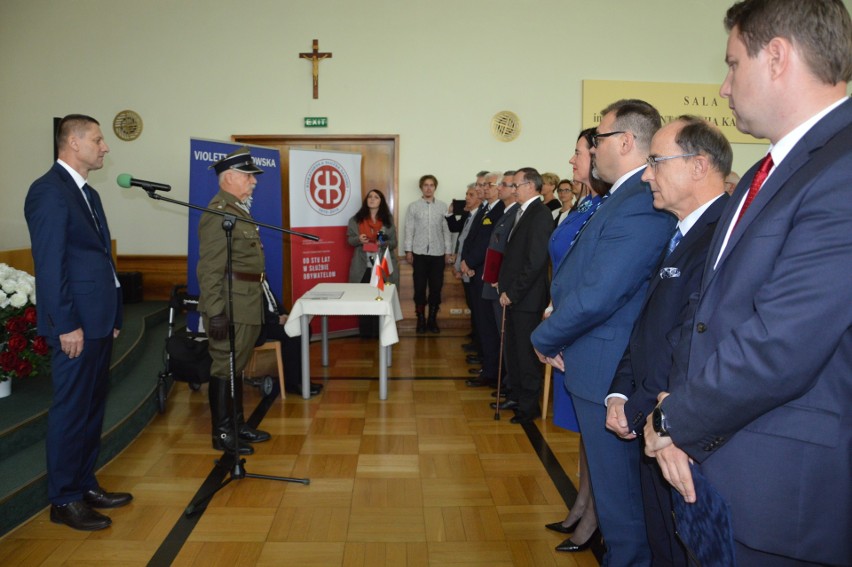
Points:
(504, 184)
(564, 190)
(652, 160)
(596, 137)
(516, 185)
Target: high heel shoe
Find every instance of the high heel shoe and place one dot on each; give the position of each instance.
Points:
(572, 547)
(558, 527)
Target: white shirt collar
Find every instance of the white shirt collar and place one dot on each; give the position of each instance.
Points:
(780, 150)
(526, 203)
(624, 178)
(689, 220)
(78, 179)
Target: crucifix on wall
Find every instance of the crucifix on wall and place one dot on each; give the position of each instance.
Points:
(315, 57)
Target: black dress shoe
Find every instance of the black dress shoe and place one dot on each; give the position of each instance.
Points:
(558, 527)
(474, 371)
(79, 516)
(252, 435)
(572, 547)
(473, 359)
(523, 418)
(508, 404)
(226, 444)
(100, 498)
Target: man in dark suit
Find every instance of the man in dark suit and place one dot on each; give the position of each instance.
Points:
(79, 313)
(597, 293)
(686, 170)
(763, 405)
(494, 257)
(522, 284)
(473, 260)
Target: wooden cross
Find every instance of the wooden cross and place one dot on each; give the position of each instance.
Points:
(315, 57)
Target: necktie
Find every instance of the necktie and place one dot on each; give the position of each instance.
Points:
(673, 242)
(756, 183)
(517, 220)
(88, 192)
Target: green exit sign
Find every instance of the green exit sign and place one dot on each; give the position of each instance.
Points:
(316, 122)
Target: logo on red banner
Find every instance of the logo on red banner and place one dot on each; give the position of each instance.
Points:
(327, 187)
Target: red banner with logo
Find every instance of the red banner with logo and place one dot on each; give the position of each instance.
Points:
(325, 192)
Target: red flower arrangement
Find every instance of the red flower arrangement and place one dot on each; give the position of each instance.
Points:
(22, 352)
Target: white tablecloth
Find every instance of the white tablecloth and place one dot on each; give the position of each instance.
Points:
(331, 299)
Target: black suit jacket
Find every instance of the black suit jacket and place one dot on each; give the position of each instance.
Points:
(644, 368)
(523, 273)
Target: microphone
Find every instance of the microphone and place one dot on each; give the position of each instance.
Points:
(126, 180)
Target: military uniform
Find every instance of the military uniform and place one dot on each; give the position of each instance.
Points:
(247, 264)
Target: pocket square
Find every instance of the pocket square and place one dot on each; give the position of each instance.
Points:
(666, 273)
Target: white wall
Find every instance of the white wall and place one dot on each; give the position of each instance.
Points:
(433, 72)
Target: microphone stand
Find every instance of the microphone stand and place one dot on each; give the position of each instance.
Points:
(238, 471)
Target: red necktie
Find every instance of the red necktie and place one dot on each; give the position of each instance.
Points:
(759, 177)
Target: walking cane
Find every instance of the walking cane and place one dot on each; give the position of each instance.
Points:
(500, 364)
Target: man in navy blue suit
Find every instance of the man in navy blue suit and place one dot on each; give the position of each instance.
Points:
(79, 313)
(686, 170)
(763, 403)
(597, 293)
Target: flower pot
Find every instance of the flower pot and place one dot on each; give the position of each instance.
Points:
(6, 388)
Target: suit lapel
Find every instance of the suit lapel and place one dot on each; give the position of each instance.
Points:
(798, 157)
(77, 197)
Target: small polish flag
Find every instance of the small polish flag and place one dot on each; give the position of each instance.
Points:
(387, 265)
(377, 279)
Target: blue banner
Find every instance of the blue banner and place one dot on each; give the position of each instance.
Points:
(266, 205)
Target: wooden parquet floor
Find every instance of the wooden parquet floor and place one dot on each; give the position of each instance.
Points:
(425, 478)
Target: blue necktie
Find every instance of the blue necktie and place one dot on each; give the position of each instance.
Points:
(675, 240)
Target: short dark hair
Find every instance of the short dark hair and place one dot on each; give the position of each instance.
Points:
(700, 137)
(482, 173)
(427, 177)
(635, 116)
(509, 172)
(531, 174)
(72, 124)
(820, 29)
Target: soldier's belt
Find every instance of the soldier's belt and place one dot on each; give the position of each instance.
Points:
(247, 277)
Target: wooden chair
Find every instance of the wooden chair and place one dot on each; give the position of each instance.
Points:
(268, 345)
(548, 370)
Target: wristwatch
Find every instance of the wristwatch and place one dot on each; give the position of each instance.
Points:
(658, 420)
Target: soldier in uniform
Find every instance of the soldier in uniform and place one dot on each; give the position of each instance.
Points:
(236, 173)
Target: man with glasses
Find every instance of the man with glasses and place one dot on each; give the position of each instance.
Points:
(686, 170)
(491, 268)
(597, 294)
(522, 284)
(473, 260)
(762, 405)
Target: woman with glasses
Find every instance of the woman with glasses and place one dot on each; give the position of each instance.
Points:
(549, 181)
(582, 521)
(565, 194)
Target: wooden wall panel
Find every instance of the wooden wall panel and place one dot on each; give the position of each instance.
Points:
(159, 273)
